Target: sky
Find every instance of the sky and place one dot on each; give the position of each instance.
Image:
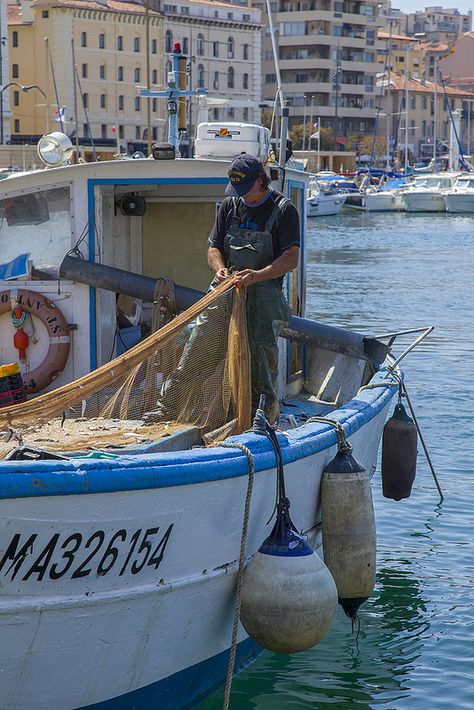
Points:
(410, 6)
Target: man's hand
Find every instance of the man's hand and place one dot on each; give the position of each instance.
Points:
(222, 274)
(247, 277)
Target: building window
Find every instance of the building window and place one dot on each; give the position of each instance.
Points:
(120, 43)
(14, 38)
(413, 102)
(246, 114)
(216, 114)
(168, 41)
(200, 45)
(45, 14)
(424, 103)
(245, 51)
(137, 103)
(154, 133)
(103, 101)
(15, 71)
(16, 98)
(230, 48)
(245, 81)
(137, 74)
(137, 133)
(103, 130)
(119, 73)
(101, 41)
(153, 46)
(185, 48)
(200, 76)
(102, 71)
(84, 71)
(154, 76)
(83, 39)
(85, 100)
(362, 126)
(231, 113)
(230, 78)
(215, 49)
(16, 125)
(154, 105)
(120, 102)
(136, 44)
(215, 83)
(270, 78)
(85, 129)
(121, 132)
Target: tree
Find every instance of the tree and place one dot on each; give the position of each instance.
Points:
(326, 140)
(379, 147)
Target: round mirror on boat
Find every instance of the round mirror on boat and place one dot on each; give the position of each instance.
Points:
(55, 148)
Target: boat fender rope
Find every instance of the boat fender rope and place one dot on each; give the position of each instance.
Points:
(341, 434)
(241, 567)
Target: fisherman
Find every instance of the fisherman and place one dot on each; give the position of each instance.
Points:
(256, 235)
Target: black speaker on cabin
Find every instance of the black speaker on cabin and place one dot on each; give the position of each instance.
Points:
(132, 205)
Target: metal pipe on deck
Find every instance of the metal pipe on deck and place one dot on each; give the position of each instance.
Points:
(302, 330)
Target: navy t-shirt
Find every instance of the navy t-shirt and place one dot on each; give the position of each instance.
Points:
(285, 231)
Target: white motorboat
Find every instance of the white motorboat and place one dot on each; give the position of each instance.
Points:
(428, 192)
(322, 201)
(461, 197)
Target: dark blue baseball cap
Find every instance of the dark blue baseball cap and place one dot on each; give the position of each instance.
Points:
(242, 174)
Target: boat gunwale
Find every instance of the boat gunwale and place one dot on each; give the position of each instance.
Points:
(25, 479)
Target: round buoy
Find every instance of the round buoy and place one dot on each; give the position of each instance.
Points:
(399, 452)
(348, 526)
(289, 598)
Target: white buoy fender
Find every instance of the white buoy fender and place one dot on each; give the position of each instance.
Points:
(289, 597)
(348, 526)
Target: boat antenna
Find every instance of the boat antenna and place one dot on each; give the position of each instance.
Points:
(461, 154)
(54, 84)
(285, 111)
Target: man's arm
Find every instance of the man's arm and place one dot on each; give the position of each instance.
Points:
(215, 260)
(282, 265)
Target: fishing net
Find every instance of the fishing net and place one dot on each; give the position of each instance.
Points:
(194, 370)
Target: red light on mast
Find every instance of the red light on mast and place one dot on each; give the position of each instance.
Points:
(177, 48)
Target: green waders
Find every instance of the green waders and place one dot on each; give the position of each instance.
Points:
(203, 359)
(267, 308)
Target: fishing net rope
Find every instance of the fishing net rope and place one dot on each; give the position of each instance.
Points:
(194, 370)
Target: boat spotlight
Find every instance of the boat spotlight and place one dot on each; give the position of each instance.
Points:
(163, 151)
(55, 148)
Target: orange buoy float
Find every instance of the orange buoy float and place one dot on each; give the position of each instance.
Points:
(38, 305)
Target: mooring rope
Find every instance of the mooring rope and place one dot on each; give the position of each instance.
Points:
(240, 571)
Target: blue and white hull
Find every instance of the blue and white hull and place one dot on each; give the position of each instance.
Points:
(117, 576)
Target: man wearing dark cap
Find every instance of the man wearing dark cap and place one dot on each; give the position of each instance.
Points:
(257, 235)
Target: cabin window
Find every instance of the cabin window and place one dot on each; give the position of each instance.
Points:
(49, 212)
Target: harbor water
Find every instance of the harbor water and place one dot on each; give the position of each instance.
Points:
(378, 273)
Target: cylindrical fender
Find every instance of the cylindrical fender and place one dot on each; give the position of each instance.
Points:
(58, 330)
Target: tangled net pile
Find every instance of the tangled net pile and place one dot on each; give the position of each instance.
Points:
(194, 370)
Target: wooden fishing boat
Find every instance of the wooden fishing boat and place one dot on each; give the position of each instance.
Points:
(118, 562)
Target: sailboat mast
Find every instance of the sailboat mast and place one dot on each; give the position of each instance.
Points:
(284, 109)
(435, 106)
(406, 107)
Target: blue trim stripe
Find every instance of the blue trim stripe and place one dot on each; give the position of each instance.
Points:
(19, 479)
(185, 689)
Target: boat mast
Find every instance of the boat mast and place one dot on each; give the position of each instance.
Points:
(435, 105)
(406, 107)
(284, 108)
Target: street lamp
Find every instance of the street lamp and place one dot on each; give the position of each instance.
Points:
(27, 88)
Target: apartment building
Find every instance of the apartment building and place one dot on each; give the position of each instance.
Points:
(436, 23)
(223, 43)
(109, 42)
(427, 116)
(400, 53)
(328, 59)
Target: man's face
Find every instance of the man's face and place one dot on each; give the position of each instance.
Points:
(255, 193)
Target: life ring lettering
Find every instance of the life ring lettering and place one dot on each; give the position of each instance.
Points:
(58, 331)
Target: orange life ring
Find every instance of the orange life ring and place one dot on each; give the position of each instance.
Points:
(58, 330)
